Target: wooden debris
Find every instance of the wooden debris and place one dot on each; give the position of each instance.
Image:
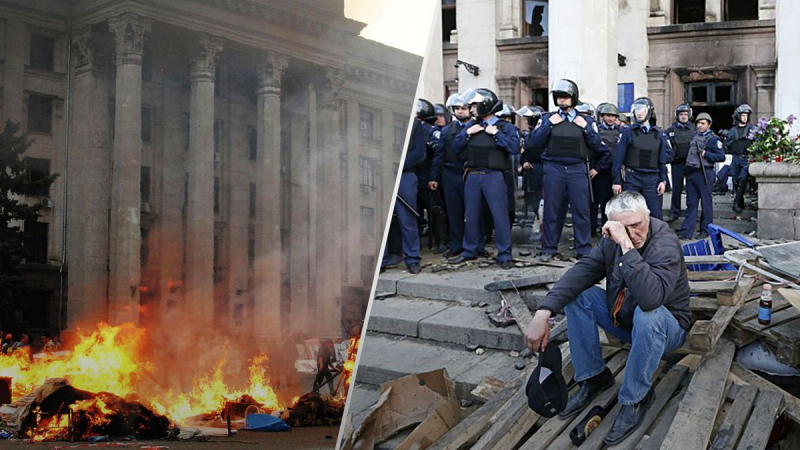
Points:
(731, 429)
(488, 388)
(519, 309)
(741, 375)
(767, 408)
(526, 282)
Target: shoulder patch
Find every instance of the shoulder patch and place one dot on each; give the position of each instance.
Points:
(437, 134)
(594, 127)
(719, 144)
(671, 134)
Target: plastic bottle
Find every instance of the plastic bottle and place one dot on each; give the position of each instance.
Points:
(765, 305)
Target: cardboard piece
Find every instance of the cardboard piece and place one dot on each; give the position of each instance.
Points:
(425, 401)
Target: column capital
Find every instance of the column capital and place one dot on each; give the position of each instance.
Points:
(83, 48)
(203, 57)
(129, 30)
(331, 87)
(270, 72)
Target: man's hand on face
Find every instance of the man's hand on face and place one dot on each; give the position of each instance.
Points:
(538, 332)
(580, 121)
(662, 187)
(474, 129)
(616, 232)
(556, 119)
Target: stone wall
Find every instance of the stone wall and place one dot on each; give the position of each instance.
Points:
(778, 202)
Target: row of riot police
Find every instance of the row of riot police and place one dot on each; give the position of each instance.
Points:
(459, 173)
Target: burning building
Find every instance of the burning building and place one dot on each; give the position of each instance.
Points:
(226, 164)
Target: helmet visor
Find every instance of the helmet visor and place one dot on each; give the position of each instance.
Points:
(639, 111)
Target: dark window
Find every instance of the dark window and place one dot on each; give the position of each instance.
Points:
(366, 125)
(400, 126)
(186, 128)
(251, 254)
(40, 113)
(722, 93)
(535, 22)
(624, 96)
(145, 248)
(36, 241)
(540, 97)
(741, 10)
(711, 93)
(147, 124)
(367, 221)
(367, 269)
(38, 171)
(690, 11)
(216, 194)
(42, 51)
(448, 19)
(147, 63)
(144, 184)
(698, 94)
(252, 200)
(367, 172)
(252, 136)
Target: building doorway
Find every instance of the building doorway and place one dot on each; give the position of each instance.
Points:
(717, 98)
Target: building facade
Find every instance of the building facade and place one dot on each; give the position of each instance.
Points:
(713, 54)
(225, 164)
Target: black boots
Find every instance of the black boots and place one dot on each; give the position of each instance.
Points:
(629, 419)
(587, 392)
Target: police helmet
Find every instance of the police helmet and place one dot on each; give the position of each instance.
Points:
(425, 111)
(607, 108)
(639, 105)
(683, 107)
(486, 101)
(508, 113)
(565, 88)
(585, 108)
(455, 100)
(704, 116)
(531, 113)
(741, 109)
(440, 110)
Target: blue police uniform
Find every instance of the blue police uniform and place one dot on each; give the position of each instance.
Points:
(486, 158)
(700, 180)
(737, 144)
(602, 182)
(421, 134)
(568, 151)
(643, 150)
(534, 178)
(680, 135)
(447, 169)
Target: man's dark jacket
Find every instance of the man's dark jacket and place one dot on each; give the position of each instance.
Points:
(655, 275)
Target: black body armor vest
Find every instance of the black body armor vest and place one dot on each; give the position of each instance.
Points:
(644, 154)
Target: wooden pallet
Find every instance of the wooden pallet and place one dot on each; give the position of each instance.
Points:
(782, 334)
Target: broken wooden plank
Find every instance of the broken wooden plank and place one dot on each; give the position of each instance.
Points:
(488, 388)
(663, 392)
(695, 418)
(743, 375)
(711, 275)
(736, 296)
(731, 429)
(551, 429)
(711, 287)
(705, 259)
(787, 341)
(525, 282)
(703, 304)
(768, 406)
(792, 296)
(705, 334)
(654, 437)
(519, 309)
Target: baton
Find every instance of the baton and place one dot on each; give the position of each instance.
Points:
(405, 203)
(430, 222)
(589, 177)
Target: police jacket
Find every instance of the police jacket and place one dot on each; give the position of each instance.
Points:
(445, 155)
(709, 143)
(680, 135)
(421, 133)
(609, 138)
(737, 141)
(533, 153)
(654, 275)
(644, 151)
(567, 143)
(482, 150)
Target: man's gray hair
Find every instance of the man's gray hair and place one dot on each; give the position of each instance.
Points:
(626, 201)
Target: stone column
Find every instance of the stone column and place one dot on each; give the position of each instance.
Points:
(267, 310)
(477, 46)
(713, 11)
(300, 237)
(199, 304)
(87, 197)
(582, 46)
(766, 9)
(787, 94)
(765, 91)
(658, 12)
(657, 91)
(330, 235)
(508, 25)
(124, 262)
(507, 91)
(14, 71)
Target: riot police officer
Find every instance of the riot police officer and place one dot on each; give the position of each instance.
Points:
(406, 205)
(705, 149)
(738, 141)
(607, 116)
(643, 149)
(508, 113)
(680, 135)
(532, 164)
(585, 108)
(447, 173)
(570, 141)
(487, 143)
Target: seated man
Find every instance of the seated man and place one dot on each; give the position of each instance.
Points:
(646, 303)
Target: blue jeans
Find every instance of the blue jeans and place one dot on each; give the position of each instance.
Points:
(654, 333)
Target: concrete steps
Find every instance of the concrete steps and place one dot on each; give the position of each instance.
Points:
(386, 357)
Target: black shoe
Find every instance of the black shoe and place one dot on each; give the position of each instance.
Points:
(506, 265)
(737, 209)
(414, 268)
(629, 419)
(483, 254)
(441, 248)
(587, 392)
(459, 259)
(546, 257)
(448, 254)
(671, 219)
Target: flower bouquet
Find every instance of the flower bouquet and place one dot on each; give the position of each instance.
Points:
(773, 142)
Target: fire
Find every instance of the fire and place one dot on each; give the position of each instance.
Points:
(350, 364)
(49, 428)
